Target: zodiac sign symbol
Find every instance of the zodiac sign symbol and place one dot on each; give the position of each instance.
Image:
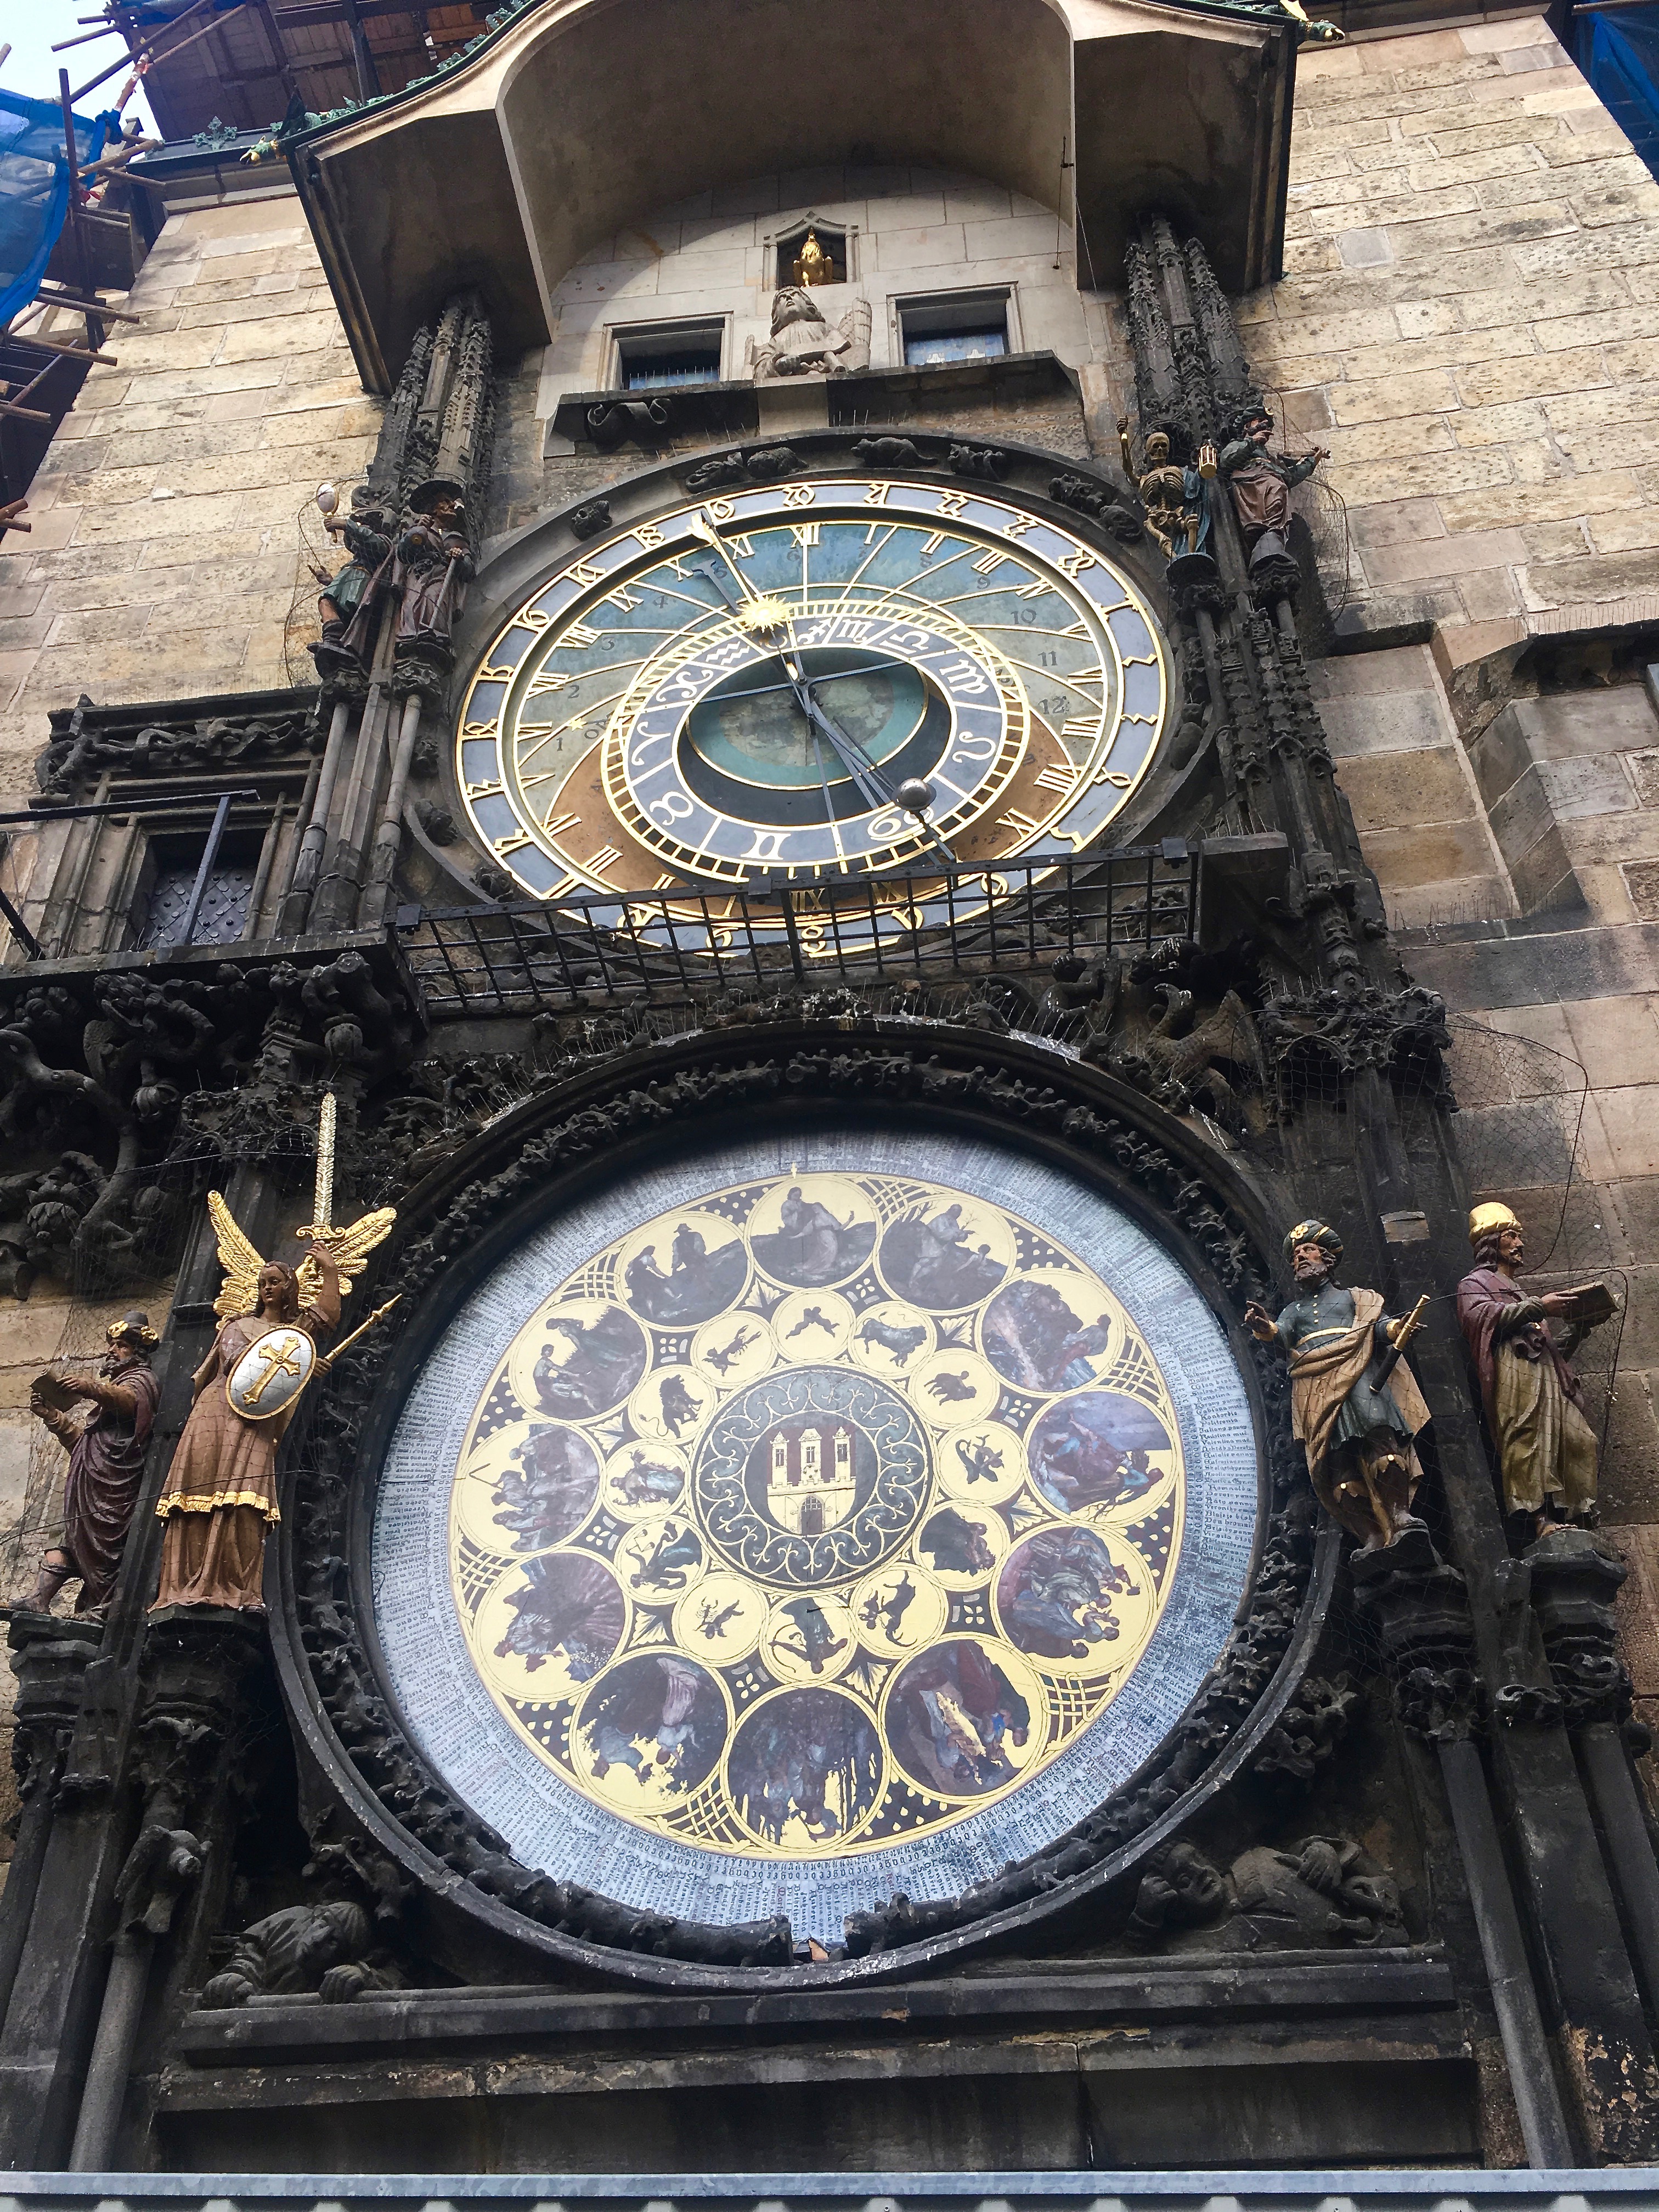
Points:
(982, 1460)
(951, 1390)
(723, 1358)
(678, 1406)
(901, 1342)
(713, 1620)
(888, 1608)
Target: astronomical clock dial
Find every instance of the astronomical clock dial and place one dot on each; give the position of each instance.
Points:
(764, 686)
(792, 1526)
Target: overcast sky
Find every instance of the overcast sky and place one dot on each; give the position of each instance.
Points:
(32, 26)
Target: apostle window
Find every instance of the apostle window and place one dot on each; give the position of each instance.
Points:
(664, 355)
(954, 327)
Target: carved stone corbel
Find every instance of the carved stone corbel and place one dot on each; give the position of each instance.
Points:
(194, 1669)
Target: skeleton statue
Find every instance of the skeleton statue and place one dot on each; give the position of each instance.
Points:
(803, 343)
(1176, 499)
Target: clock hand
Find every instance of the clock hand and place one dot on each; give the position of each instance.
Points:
(862, 770)
(828, 803)
(834, 676)
(872, 784)
(702, 526)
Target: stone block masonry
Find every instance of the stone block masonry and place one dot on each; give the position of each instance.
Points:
(1467, 322)
(164, 555)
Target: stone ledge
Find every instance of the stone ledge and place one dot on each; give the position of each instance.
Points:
(735, 407)
(1130, 2190)
(1412, 1982)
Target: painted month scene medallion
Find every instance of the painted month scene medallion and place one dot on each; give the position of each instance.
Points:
(847, 1519)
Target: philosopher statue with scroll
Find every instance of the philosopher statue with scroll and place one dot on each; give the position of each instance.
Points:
(220, 1491)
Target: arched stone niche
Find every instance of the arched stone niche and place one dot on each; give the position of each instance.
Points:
(579, 116)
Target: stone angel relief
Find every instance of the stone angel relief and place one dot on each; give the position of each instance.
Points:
(220, 1491)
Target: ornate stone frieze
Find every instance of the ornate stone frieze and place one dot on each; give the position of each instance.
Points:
(1328, 1035)
(1575, 1582)
(1417, 1607)
(90, 742)
(115, 1078)
(1324, 1893)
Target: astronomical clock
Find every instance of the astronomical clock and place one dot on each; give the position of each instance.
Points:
(801, 682)
(849, 1505)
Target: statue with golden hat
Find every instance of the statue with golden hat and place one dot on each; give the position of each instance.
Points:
(1547, 1449)
(1355, 1405)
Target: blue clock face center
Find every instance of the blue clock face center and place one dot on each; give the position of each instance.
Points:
(753, 728)
(750, 747)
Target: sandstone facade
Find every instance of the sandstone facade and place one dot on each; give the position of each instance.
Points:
(1468, 320)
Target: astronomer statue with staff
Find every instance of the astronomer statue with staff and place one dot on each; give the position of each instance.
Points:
(1355, 1405)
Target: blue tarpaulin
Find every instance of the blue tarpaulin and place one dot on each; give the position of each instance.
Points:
(34, 192)
(1620, 55)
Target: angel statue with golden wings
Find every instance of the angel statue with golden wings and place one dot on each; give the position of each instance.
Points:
(220, 1492)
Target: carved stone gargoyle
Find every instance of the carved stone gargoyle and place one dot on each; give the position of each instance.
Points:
(1180, 1063)
(1325, 1892)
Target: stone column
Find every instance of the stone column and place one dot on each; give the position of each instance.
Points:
(49, 1658)
(1352, 1005)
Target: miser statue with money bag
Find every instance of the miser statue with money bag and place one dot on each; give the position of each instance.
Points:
(1355, 1405)
(220, 1495)
(1545, 1448)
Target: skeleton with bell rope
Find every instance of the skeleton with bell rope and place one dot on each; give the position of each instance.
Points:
(220, 1492)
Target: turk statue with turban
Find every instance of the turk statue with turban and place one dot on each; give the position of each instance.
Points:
(1355, 1422)
(1545, 1448)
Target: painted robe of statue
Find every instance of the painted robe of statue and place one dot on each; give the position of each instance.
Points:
(1546, 1448)
(106, 1464)
(1262, 483)
(220, 1492)
(1358, 1437)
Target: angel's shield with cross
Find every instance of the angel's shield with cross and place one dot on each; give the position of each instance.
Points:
(270, 1374)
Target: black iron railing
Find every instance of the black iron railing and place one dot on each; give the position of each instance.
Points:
(661, 945)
